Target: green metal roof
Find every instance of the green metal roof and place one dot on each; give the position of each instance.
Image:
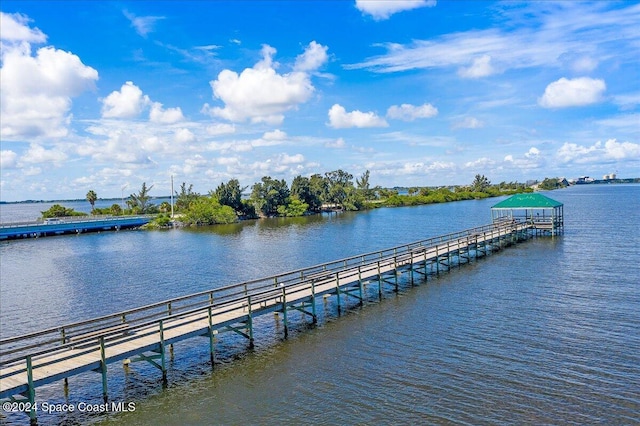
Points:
(526, 201)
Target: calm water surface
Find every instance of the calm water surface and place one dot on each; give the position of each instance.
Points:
(547, 332)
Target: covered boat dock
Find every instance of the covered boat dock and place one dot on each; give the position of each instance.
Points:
(543, 213)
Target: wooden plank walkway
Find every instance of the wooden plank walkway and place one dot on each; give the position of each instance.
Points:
(36, 359)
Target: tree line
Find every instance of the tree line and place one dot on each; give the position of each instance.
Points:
(335, 190)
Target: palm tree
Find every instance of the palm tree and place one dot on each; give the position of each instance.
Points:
(92, 197)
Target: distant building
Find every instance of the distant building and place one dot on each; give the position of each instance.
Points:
(584, 179)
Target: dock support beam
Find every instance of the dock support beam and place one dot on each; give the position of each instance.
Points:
(162, 356)
(250, 324)
(212, 340)
(31, 393)
(361, 289)
(284, 311)
(103, 370)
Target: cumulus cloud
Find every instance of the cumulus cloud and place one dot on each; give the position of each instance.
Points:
(407, 112)
(532, 159)
(339, 118)
(260, 94)
(129, 102)
(291, 159)
(383, 9)
(481, 67)
(313, 58)
(338, 143)
(220, 129)
(37, 154)
(275, 135)
(576, 92)
(611, 150)
(164, 116)
(185, 136)
(532, 153)
(37, 90)
(15, 28)
(8, 159)
(480, 163)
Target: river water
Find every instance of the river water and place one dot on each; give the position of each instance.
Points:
(545, 332)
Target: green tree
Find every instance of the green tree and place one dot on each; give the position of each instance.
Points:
(365, 190)
(230, 194)
(294, 208)
(116, 210)
(92, 197)
(302, 189)
(139, 203)
(268, 194)
(337, 183)
(480, 184)
(58, 210)
(185, 197)
(319, 190)
(208, 211)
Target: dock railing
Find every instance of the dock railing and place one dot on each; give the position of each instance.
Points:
(147, 319)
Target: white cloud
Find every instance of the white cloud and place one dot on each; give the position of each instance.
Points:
(542, 34)
(8, 159)
(338, 143)
(576, 92)
(313, 58)
(142, 24)
(185, 136)
(532, 159)
(164, 116)
(611, 150)
(15, 29)
(481, 67)
(479, 164)
(37, 90)
(532, 153)
(291, 159)
(407, 112)
(584, 64)
(221, 129)
(260, 93)
(339, 118)
(468, 123)
(275, 135)
(38, 154)
(129, 102)
(383, 9)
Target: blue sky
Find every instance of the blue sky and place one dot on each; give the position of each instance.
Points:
(107, 95)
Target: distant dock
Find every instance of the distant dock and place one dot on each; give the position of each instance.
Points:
(69, 225)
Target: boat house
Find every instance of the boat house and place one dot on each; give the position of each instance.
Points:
(542, 213)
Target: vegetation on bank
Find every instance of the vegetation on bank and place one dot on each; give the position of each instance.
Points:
(336, 190)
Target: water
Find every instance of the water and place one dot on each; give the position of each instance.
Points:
(546, 332)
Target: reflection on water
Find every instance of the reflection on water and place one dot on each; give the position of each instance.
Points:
(547, 332)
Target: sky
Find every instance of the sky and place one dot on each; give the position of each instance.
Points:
(106, 95)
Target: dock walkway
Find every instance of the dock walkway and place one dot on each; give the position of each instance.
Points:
(36, 359)
(70, 225)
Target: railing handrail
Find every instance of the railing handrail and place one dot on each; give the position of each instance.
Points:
(250, 288)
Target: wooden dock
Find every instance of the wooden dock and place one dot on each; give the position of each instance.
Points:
(36, 359)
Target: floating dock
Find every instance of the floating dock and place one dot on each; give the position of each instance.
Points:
(70, 225)
(143, 334)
